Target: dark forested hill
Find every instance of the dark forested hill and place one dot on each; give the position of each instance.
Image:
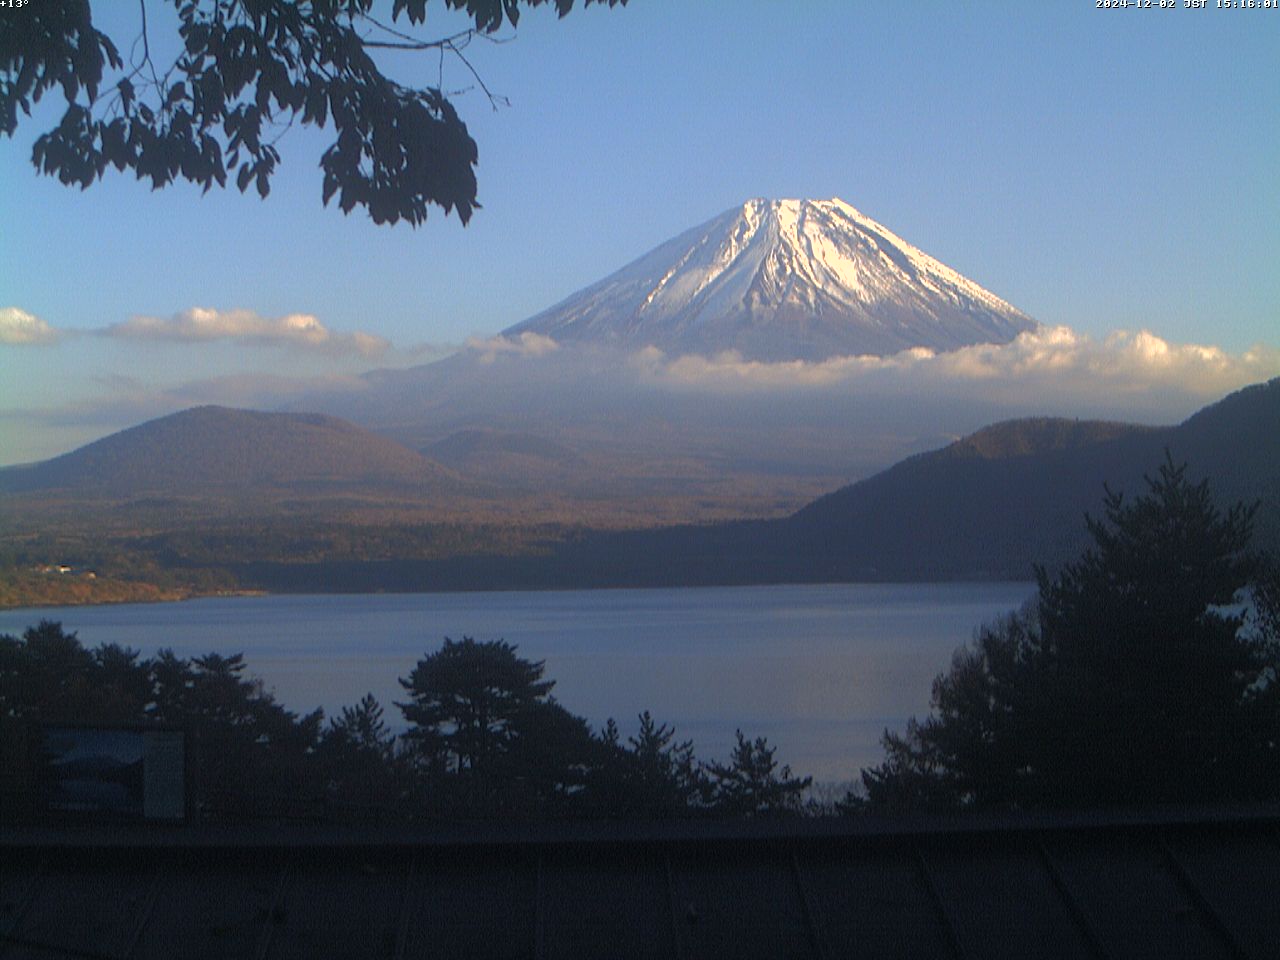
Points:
(1016, 492)
(987, 506)
(991, 504)
(218, 447)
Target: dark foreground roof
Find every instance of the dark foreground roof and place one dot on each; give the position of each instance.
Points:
(1190, 884)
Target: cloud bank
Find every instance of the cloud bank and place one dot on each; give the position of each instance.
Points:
(1053, 359)
(19, 328)
(1051, 371)
(527, 344)
(201, 324)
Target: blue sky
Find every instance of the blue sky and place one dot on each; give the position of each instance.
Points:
(1100, 169)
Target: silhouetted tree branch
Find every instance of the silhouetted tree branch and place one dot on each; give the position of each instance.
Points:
(246, 66)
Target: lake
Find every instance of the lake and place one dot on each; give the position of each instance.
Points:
(819, 670)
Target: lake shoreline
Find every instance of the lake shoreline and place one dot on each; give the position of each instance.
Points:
(821, 670)
(150, 594)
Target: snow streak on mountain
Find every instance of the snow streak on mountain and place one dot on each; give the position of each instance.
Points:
(784, 280)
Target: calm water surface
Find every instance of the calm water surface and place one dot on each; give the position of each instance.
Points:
(819, 670)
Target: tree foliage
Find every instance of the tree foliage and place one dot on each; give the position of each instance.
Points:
(489, 739)
(361, 760)
(550, 766)
(1143, 673)
(245, 747)
(247, 71)
(48, 676)
(650, 775)
(485, 739)
(751, 785)
(465, 702)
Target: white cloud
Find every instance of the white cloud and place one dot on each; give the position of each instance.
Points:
(1053, 359)
(301, 330)
(528, 344)
(19, 328)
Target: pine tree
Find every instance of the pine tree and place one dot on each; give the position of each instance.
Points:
(751, 783)
(1141, 675)
(464, 701)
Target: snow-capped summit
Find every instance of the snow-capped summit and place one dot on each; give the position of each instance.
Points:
(784, 280)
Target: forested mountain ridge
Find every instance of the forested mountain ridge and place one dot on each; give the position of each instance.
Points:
(1013, 493)
(990, 504)
(987, 506)
(1036, 435)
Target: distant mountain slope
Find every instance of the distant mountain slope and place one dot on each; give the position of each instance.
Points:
(959, 511)
(216, 447)
(1015, 493)
(1238, 437)
(1035, 435)
(466, 447)
(784, 280)
(988, 506)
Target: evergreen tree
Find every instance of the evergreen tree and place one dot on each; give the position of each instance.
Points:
(243, 746)
(49, 676)
(1139, 676)
(249, 755)
(548, 770)
(361, 765)
(651, 776)
(751, 785)
(464, 701)
(363, 728)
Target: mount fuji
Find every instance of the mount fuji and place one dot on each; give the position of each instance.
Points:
(779, 280)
